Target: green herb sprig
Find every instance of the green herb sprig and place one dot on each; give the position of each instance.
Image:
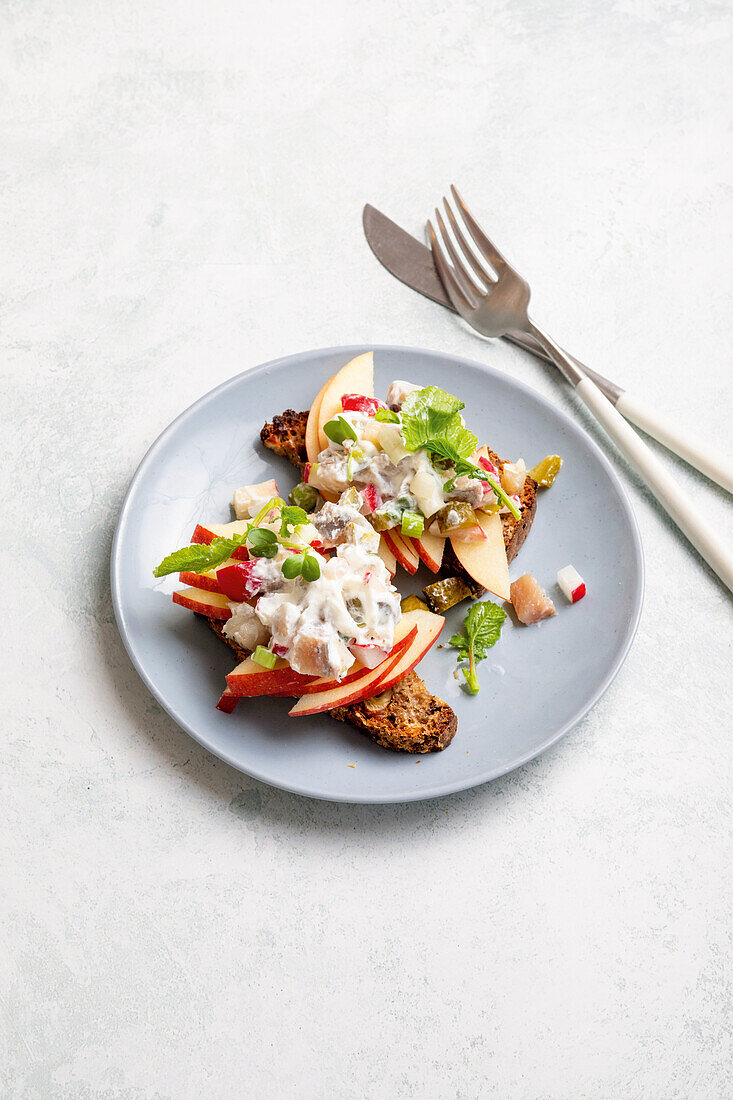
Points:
(481, 630)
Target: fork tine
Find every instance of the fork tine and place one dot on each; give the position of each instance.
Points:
(458, 299)
(470, 291)
(486, 247)
(486, 276)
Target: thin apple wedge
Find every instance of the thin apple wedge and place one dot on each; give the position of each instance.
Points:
(387, 557)
(227, 702)
(427, 629)
(213, 604)
(250, 678)
(403, 637)
(421, 627)
(403, 552)
(345, 694)
(206, 534)
(356, 377)
(207, 582)
(429, 548)
(312, 444)
(486, 561)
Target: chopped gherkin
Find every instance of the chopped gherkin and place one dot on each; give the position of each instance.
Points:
(412, 603)
(545, 472)
(457, 515)
(441, 595)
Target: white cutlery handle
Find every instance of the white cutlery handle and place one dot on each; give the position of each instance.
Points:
(698, 452)
(667, 491)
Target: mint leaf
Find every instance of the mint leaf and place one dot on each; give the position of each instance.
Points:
(291, 515)
(199, 557)
(482, 629)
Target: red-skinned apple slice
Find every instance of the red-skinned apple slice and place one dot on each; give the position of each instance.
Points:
(213, 604)
(356, 377)
(421, 627)
(387, 557)
(358, 670)
(427, 629)
(429, 548)
(227, 702)
(404, 553)
(345, 694)
(486, 561)
(250, 678)
(205, 581)
(207, 534)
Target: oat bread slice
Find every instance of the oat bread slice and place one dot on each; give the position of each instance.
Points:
(407, 718)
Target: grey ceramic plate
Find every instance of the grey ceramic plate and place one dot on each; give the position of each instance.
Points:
(537, 683)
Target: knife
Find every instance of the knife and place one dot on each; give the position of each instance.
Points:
(412, 263)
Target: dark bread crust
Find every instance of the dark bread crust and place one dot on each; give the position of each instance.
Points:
(286, 436)
(413, 721)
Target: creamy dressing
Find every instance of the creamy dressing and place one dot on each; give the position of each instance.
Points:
(313, 623)
(379, 458)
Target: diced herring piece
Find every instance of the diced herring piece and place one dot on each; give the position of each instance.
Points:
(530, 601)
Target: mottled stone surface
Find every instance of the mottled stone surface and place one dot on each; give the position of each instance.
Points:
(181, 197)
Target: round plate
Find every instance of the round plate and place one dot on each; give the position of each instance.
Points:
(536, 684)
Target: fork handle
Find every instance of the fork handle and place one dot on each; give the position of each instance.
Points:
(698, 452)
(709, 460)
(668, 492)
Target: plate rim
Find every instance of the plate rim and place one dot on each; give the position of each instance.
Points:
(437, 790)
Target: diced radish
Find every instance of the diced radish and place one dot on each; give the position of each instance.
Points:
(571, 584)
(487, 465)
(238, 582)
(279, 650)
(356, 402)
(307, 472)
(530, 602)
(371, 497)
(369, 655)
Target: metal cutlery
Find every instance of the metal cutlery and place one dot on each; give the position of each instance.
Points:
(412, 263)
(493, 298)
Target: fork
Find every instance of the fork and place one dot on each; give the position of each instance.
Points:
(493, 298)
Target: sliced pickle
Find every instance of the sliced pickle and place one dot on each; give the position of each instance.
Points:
(382, 521)
(412, 603)
(442, 595)
(545, 472)
(457, 515)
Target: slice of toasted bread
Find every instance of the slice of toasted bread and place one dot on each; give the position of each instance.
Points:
(405, 719)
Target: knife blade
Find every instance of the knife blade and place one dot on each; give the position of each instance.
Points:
(412, 263)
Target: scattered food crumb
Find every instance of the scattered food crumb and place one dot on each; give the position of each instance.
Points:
(352, 765)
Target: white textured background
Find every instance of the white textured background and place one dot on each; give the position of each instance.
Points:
(181, 196)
